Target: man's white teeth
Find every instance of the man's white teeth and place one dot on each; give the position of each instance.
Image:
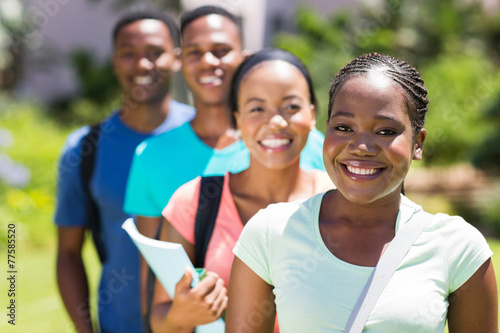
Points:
(209, 79)
(362, 171)
(143, 80)
(275, 143)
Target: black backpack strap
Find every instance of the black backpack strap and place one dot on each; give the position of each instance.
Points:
(88, 151)
(208, 208)
(150, 289)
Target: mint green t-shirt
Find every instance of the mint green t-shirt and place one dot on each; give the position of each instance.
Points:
(163, 163)
(315, 291)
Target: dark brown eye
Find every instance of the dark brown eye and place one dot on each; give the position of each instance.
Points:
(221, 52)
(387, 131)
(343, 128)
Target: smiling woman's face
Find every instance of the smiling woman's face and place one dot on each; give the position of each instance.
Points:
(369, 143)
(275, 113)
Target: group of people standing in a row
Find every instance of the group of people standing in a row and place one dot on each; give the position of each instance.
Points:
(306, 258)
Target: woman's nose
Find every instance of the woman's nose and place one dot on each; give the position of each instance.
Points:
(278, 121)
(362, 145)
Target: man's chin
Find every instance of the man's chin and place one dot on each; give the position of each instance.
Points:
(146, 99)
(212, 100)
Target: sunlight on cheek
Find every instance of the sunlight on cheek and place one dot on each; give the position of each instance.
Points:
(229, 58)
(248, 129)
(402, 169)
(163, 60)
(301, 121)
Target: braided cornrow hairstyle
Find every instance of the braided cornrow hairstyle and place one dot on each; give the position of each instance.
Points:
(398, 70)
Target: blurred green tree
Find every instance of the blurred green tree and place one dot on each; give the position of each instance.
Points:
(487, 154)
(11, 42)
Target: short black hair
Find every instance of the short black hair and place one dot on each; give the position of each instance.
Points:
(202, 11)
(142, 12)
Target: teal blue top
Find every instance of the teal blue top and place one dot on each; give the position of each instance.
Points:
(163, 163)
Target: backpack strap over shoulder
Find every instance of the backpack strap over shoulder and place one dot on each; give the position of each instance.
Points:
(208, 208)
(385, 268)
(88, 150)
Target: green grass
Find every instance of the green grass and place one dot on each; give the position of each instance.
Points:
(38, 305)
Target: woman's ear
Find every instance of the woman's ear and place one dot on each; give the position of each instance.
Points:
(313, 116)
(418, 146)
(236, 115)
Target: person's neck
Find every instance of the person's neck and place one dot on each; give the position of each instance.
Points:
(268, 186)
(213, 125)
(379, 213)
(144, 117)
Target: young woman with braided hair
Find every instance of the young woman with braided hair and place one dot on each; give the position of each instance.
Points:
(309, 260)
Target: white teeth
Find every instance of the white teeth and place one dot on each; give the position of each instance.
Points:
(143, 80)
(209, 79)
(275, 143)
(361, 171)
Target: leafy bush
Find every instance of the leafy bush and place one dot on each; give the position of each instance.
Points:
(487, 156)
(459, 85)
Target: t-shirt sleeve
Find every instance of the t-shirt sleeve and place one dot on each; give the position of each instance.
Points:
(252, 246)
(139, 199)
(72, 200)
(182, 207)
(311, 157)
(467, 250)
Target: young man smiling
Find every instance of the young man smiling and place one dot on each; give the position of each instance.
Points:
(145, 57)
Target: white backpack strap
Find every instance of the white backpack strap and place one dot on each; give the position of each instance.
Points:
(382, 273)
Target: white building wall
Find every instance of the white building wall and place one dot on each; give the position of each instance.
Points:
(62, 26)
